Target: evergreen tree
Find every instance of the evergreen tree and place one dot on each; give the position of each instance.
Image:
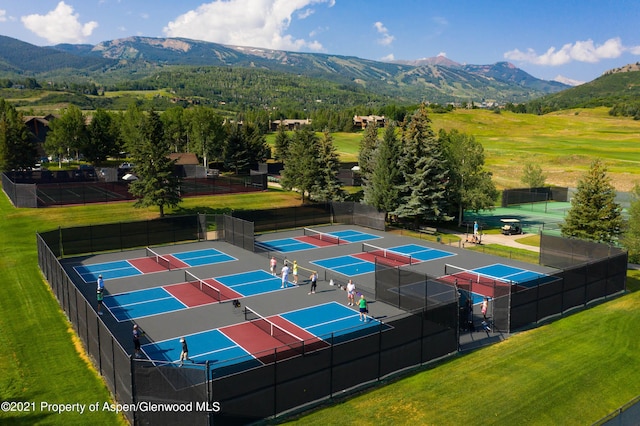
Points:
(594, 214)
(157, 183)
(470, 186)
(327, 186)
(173, 122)
(282, 143)
(631, 237)
(532, 175)
(301, 169)
(367, 157)
(131, 127)
(256, 144)
(425, 177)
(383, 192)
(16, 148)
(236, 155)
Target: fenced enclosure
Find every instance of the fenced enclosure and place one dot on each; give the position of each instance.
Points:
(38, 189)
(428, 330)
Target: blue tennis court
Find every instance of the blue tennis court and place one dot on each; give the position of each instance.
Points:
(285, 245)
(139, 266)
(108, 270)
(252, 283)
(330, 322)
(421, 253)
(203, 257)
(310, 241)
(346, 265)
(141, 303)
(210, 345)
(353, 236)
(512, 274)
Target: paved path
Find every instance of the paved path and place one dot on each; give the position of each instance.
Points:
(504, 240)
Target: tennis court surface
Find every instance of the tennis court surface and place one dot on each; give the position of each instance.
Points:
(313, 238)
(262, 340)
(152, 262)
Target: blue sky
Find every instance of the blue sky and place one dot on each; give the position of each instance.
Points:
(578, 40)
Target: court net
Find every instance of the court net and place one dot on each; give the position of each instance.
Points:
(291, 340)
(382, 253)
(321, 236)
(159, 259)
(456, 274)
(203, 286)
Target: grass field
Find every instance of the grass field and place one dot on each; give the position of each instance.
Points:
(563, 143)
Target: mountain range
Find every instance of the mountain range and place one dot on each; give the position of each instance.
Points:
(432, 79)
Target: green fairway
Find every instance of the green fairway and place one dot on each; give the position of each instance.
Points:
(563, 143)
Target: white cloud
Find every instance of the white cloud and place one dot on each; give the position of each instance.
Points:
(60, 25)
(443, 54)
(257, 23)
(305, 13)
(3, 15)
(387, 38)
(580, 51)
(390, 57)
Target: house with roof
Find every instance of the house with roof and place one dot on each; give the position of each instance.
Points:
(289, 124)
(38, 127)
(361, 122)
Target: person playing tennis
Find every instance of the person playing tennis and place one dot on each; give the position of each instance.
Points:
(351, 292)
(362, 304)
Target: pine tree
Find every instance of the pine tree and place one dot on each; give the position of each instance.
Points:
(157, 183)
(16, 149)
(383, 192)
(594, 214)
(327, 186)
(302, 167)
(423, 192)
(282, 144)
(366, 156)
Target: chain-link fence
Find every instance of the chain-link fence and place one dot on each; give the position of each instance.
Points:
(108, 356)
(427, 331)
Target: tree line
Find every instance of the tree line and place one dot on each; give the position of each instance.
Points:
(408, 171)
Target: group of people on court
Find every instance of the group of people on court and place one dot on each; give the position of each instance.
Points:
(284, 273)
(137, 333)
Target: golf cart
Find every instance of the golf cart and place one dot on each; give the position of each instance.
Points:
(510, 227)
